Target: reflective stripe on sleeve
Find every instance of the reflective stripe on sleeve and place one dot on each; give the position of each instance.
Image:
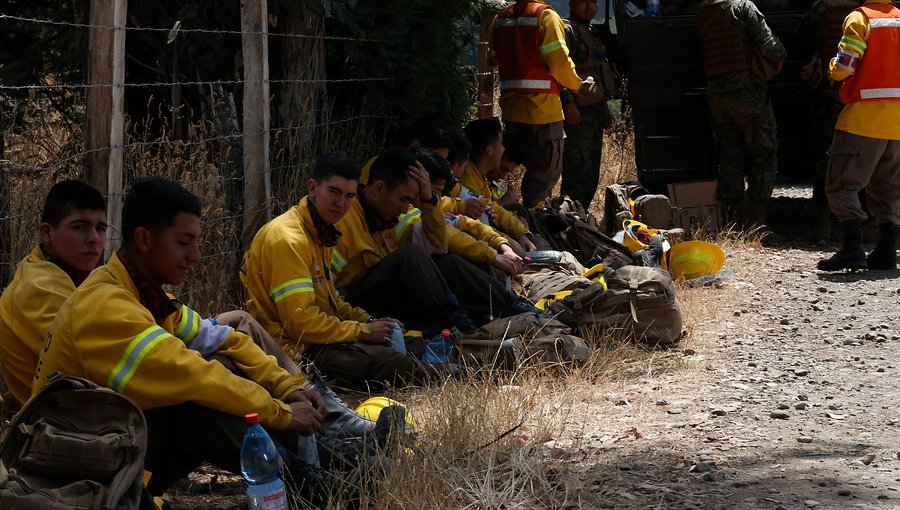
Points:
(188, 326)
(853, 42)
(551, 47)
(291, 287)
(405, 221)
(131, 358)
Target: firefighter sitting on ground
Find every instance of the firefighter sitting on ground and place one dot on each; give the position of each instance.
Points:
(73, 236)
(290, 287)
(119, 329)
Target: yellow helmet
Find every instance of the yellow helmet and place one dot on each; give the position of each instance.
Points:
(372, 408)
(543, 302)
(693, 259)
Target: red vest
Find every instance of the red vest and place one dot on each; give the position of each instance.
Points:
(877, 75)
(517, 46)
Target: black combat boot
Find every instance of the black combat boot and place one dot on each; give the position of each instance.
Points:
(756, 215)
(884, 256)
(341, 422)
(852, 255)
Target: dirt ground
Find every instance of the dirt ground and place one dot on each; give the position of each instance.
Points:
(784, 395)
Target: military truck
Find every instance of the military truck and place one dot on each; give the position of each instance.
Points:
(662, 62)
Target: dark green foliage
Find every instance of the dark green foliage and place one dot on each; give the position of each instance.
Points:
(426, 47)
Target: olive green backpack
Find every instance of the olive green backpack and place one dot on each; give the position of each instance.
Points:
(74, 445)
(639, 301)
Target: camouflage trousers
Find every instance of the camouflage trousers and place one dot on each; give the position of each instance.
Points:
(746, 139)
(542, 145)
(581, 155)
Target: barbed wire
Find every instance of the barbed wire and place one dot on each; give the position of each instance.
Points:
(73, 24)
(82, 86)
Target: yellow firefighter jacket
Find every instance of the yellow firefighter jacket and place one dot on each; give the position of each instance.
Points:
(27, 308)
(468, 238)
(104, 334)
(289, 286)
(505, 221)
(360, 247)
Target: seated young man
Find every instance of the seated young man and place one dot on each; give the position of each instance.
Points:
(486, 137)
(470, 239)
(389, 274)
(121, 330)
(290, 289)
(72, 238)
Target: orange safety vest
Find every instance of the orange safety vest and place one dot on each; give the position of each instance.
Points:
(877, 75)
(517, 43)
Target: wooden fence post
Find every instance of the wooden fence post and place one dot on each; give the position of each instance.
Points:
(486, 72)
(255, 110)
(104, 127)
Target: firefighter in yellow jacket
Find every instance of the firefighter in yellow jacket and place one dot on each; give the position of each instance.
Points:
(486, 137)
(529, 43)
(290, 288)
(121, 330)
(470, 239)
(73, 236)
(389, 275)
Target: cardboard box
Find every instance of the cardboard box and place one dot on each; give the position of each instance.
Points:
(695, 206)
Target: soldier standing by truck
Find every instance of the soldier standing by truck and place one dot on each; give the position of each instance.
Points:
(865, 152)
(586, 112)
(740, 54)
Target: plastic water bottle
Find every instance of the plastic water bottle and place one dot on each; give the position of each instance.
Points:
(398, 343)
(653, 9)
(261, 467)
(439, 349)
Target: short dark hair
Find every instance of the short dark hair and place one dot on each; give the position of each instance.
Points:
(340, 164)
(392, 167)
(66, 196)
(153, 203)
(482, 132)
(430, 132)
(514, 152)
(436, 166)
(460, 148)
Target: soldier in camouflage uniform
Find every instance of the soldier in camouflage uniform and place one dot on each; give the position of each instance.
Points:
(586, 112)
(740, 54)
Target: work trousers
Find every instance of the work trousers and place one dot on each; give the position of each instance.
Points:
(543, 154)
(856, 162)
(360, 365)
(413, 287)
(244, 323)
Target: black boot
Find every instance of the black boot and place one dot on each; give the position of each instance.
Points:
(884, 256)
(341, 422)
(852, 255)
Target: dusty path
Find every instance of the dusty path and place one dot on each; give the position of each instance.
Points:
(789, 398)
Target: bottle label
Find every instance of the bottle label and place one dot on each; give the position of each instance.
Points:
(268, 496)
